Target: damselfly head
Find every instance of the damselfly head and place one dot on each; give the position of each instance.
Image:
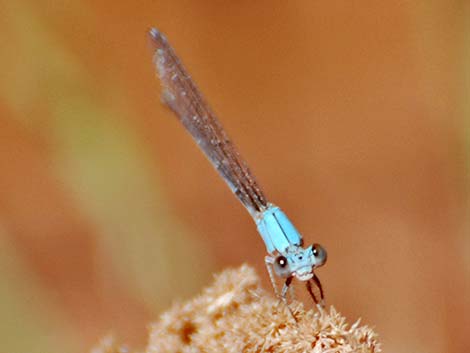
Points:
(299, 262)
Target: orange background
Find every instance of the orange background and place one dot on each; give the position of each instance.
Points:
(353, 116)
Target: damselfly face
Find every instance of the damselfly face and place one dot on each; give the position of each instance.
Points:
(299, 262)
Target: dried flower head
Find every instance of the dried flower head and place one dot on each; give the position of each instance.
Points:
(236, 315)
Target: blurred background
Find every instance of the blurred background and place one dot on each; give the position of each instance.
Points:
(353, 116)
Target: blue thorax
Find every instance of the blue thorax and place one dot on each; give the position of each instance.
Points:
(277, 230)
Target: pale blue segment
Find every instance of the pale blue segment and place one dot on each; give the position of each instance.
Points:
(277, 230)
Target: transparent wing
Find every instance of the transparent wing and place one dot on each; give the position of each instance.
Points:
(181, 94)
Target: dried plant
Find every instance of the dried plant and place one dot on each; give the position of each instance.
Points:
(236, 315)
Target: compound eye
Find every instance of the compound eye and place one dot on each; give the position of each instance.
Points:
(281, 266)
(281, 261)
(319, 253)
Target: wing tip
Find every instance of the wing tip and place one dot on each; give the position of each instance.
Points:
(156, 37)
